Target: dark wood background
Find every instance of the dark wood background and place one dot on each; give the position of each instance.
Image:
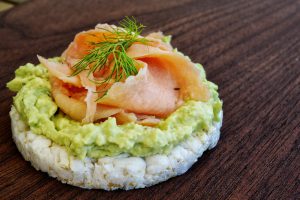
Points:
(251, 49)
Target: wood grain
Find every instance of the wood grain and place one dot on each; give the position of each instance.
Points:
(251, 49)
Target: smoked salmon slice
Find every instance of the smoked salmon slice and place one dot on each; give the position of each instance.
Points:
(183, 70)
(156, 41)
(74, 106)
(152, 91)
(61, 71)
(91, 97)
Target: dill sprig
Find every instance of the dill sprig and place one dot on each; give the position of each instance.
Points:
(111, 53)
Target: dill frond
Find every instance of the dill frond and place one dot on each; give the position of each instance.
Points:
(114, 46)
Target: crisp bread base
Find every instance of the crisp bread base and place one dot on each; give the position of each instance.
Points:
(109, 173)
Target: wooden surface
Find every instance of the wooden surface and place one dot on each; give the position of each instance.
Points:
(251, 49)
(7, 4)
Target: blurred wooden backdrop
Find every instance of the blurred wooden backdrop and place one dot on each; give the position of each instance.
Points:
(251, 49)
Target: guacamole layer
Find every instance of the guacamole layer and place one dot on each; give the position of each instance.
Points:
(38, 109)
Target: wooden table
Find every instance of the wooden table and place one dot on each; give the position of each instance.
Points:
(251, 49)
(7, 4)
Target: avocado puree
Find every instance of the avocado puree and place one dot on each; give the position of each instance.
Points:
(37, 108)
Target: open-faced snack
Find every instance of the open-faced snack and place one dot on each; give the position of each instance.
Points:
(115, 110)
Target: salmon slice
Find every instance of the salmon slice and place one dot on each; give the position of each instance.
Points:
(125, 117)
(91, 97)
(182, 69)
(61, 71)
(156, 38)
(152, 91)
(75, 107)
(83, 41)
(149, 121)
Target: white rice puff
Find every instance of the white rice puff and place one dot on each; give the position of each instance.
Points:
(109, 173)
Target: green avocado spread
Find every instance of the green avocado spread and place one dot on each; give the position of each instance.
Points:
(37, 108)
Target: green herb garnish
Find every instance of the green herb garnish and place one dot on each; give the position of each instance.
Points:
(113, 51)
